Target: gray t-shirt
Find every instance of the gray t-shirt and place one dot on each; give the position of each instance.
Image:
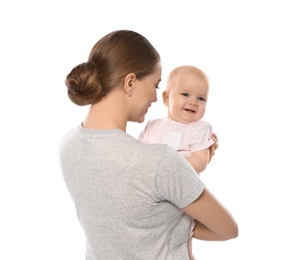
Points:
(128, 195)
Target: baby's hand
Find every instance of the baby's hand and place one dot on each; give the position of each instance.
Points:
(214, 146)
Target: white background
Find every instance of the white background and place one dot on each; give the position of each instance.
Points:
(247, 50)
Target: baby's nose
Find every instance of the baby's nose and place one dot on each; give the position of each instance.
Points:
(193, 103)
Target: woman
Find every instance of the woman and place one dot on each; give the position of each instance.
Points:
(133, 200)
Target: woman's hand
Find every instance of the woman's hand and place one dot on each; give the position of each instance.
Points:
(214, 146)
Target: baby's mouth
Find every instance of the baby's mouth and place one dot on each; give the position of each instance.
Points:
(189, 110)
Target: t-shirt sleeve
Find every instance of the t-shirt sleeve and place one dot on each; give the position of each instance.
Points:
(176, 180)
(201, 138)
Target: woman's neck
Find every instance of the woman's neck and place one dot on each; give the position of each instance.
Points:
(109, 113)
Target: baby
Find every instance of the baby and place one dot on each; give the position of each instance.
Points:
(185, 96)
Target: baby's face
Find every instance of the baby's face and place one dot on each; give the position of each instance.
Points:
(187, 98)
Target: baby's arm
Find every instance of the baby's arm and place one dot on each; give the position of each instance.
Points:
(199, 160)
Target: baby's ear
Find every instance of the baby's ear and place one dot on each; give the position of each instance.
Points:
(165, 96)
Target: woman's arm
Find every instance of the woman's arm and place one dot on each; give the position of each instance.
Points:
(214, 222)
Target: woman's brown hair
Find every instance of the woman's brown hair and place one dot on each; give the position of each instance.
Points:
(111, 59)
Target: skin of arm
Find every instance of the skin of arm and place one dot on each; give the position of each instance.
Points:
(214, 222)
(199, 160)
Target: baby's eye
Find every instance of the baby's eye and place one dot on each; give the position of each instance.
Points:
(185, 94)
(202, 99)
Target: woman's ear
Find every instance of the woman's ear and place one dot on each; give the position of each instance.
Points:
(129, 84)
(165, 96)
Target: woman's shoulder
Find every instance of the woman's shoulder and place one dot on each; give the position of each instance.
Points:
(158, 149)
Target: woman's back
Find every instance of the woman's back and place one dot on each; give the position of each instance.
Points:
(128, 194)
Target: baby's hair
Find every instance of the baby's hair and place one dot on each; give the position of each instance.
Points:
(186, 68)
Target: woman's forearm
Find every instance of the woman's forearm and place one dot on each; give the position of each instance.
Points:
(201, 232)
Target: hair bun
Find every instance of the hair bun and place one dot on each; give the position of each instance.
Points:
(83, 84)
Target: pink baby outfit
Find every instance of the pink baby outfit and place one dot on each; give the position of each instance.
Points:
(185, 138)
